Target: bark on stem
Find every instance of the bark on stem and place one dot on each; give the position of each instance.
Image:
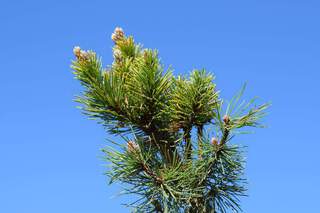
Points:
(200, 135)
(187, 139)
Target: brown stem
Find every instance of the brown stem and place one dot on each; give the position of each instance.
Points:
(225, 136)
(153, 175)
(200, 135)
(160, 140)
(157, 206)
(187, 139)
(158, 180)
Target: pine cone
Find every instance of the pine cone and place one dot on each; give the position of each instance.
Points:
(117, 54)
(77, 51)
(117, 35)
(81, 54)
(226, 119)
(214, 141)
(133, 147)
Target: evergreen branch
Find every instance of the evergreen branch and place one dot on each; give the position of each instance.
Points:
(148, 171)
(224, 136)
(137, 98)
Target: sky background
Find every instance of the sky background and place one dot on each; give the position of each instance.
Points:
(50, 159)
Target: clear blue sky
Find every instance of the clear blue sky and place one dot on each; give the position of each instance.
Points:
(49, 151)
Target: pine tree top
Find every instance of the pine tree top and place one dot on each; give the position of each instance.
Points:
(157, 114)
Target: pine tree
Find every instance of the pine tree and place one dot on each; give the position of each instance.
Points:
(175, 153)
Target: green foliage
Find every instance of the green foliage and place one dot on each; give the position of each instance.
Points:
(193, 100)
(156, 114)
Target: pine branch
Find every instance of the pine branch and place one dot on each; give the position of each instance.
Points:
(149, 172)
(155, 113)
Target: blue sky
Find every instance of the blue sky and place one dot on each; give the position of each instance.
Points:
(49, 152)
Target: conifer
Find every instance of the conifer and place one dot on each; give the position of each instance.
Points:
(174, 151)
